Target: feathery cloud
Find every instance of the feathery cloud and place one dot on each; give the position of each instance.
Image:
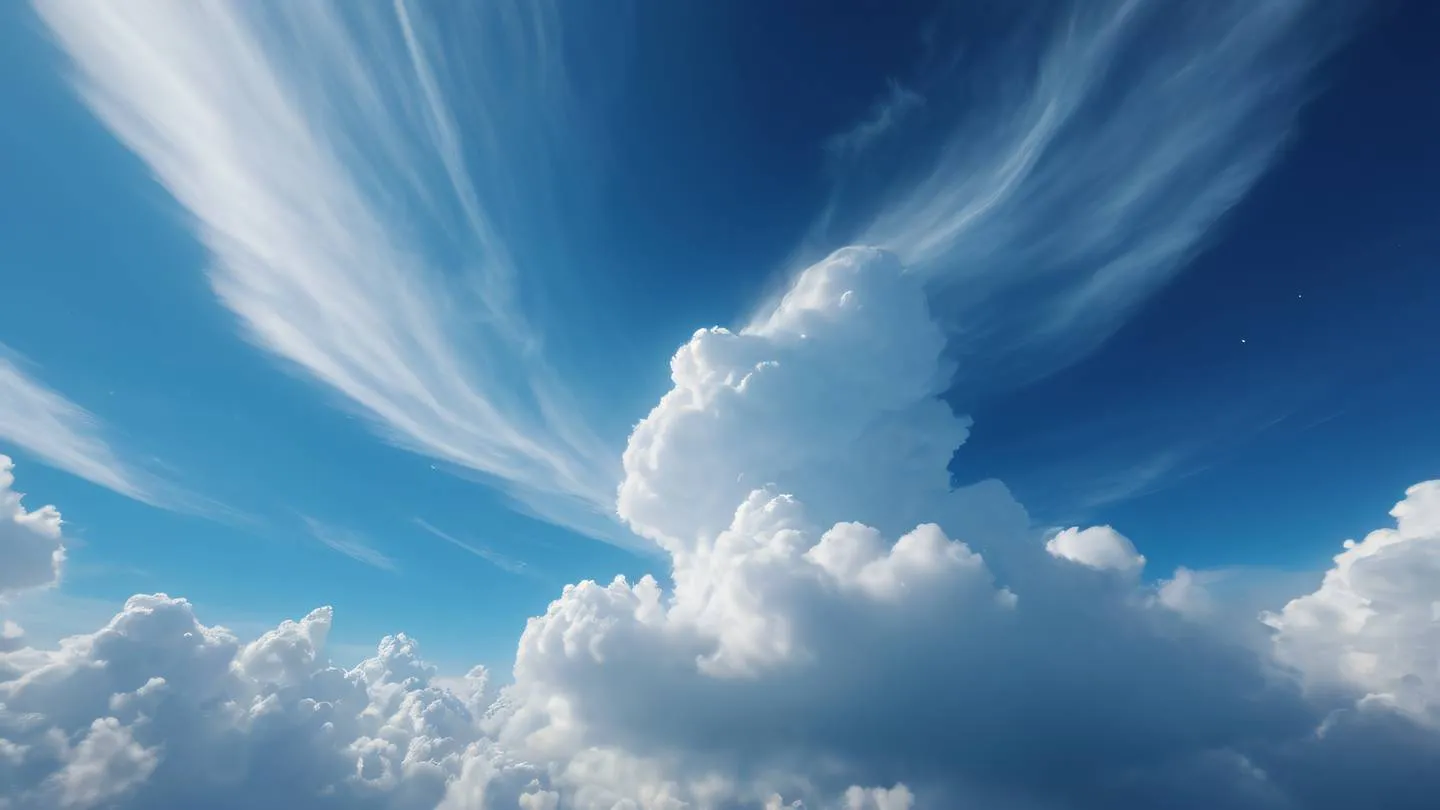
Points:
(1042, 206)
(62, 434)
(351, 544)
(313, 146)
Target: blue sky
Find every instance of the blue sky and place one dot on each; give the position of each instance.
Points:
(969, 377)
(675, 208)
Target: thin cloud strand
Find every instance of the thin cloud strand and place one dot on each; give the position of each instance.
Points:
(316, 232)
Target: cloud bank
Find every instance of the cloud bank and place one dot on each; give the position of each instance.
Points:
(799, 656)
(314, 149)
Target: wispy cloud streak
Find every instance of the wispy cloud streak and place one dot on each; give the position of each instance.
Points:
(62, 434)
(1074, 174)
(496, 559)
(314, 147)
(349, 543)
(885, 115)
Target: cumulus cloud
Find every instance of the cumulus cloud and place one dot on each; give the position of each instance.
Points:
(107, 763)
(12, 636)
(173, 713)
(792, 638)
(799, 656)
(1373, 625)
(313, 145)
(852, 340)
(31, 548)
(1102, 548)
(841, 628)
(896, 798)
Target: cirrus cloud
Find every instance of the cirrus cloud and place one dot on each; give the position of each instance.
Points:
(313, 147)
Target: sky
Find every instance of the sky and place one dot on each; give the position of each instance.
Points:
(1072, 357)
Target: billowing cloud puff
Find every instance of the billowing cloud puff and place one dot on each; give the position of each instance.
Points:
(12, 636)
(30, 546)
(157, 710)
(107, 762)
(833, 399)
(1373, 626)
(896, 798)
(1098, 547)
(840, 630)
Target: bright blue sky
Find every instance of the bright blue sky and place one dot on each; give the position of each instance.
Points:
(670, 193)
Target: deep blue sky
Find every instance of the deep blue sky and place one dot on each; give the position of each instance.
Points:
(706, 132)
(1325, 414)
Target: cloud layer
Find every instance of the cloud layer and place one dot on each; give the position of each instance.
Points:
(798, 656)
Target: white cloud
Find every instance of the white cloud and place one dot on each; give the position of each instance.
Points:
(801, 653)
(1088, 168)
(61, 433)
(887, 113)
(351, 544)
(107, 763)
(1098, 547)
(12, 636)
(1373, 625)
(896, 798)
(1185, 593)
(31, 548)
(798, 656)
(313, 147)
(853, 340)
(495, 558)
(182, 715)
(789, 638)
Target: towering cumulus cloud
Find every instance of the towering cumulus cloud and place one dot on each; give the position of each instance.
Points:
(833, 398)
(942, 653)
(840, 628)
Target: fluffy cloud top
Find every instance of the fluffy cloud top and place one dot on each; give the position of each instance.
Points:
(844, 631)
(833, 399)
(1098, 547)
(157, 710)
(1373, 626)
(30, 545)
